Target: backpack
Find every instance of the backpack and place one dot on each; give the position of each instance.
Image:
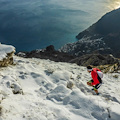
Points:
(100, 74)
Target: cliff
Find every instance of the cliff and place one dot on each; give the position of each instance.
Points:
(103, 37)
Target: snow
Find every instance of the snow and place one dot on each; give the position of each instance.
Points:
(36, 89)
(4, 49)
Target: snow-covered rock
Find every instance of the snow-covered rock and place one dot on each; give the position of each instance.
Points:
(16, 88)
(46, 96)
(70, 84)
(6, 54)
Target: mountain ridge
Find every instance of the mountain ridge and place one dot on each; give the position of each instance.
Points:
(106, 30)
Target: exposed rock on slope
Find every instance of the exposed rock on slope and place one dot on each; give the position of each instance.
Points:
(95, 60)
(111, 68)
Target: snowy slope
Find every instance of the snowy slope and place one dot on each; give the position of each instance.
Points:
(44, 95)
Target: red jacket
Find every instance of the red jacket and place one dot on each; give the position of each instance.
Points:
(94, 76)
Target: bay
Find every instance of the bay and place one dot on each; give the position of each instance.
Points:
(35, 24)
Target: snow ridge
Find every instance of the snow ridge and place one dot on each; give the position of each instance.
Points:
(4, 49)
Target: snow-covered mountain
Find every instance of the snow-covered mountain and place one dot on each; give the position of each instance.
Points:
(103, 36)
(36, 89)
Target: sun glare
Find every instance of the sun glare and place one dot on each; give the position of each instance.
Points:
(117, 5)
(114, 4)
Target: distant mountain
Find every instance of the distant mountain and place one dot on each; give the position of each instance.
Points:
(102, 37)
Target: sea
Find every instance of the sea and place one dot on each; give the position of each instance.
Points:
(36, 24)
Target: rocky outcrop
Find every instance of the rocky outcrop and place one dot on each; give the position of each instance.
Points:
(95, 60)
(48, 53)
(111, 68)
(8, 60)
(6, 55)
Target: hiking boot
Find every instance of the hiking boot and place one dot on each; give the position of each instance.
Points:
(97, 93)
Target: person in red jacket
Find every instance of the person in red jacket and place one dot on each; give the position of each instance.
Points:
(96, 80)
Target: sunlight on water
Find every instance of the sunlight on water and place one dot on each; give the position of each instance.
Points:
(114, 4)
(118, 5)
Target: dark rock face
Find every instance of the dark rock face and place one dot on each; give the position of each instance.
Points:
(106, 30)
(48, 53)
(50, 48)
